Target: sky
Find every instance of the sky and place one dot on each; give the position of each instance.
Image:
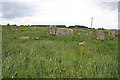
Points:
(60, 12)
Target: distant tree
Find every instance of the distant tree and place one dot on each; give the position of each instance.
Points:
(71, 26)
(101, 28)
(61, 26)
(13, 25)
(78, 26)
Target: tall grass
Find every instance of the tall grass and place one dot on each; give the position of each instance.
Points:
(58, 56)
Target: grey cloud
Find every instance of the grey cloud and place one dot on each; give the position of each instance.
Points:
(110, 5)
(119, 12)
(17, 10)
(118, 6)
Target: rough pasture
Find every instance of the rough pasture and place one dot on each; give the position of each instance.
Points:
(58, 56)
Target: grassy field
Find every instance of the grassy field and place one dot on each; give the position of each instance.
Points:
(58, 56)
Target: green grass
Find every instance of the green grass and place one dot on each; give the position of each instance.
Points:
(58, 56)
(0, 52)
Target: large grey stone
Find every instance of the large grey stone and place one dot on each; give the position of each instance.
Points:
(60, 31)
(100, 35)
(52, 29)
(64, 31)
(113, 33)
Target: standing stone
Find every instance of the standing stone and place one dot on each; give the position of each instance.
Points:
(60, 31)
(34, 28)
(116, 32)
(113, 33)
(100, 35)
(16, 28)
(52, 29)
(8, 29)
(109, 33)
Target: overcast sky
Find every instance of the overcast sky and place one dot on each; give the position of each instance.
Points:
(60, 12)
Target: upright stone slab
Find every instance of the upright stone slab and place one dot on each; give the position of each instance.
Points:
(113, 33)
(8, 29)
(109, 33)
(100, 35)
(116, 32)
(16, 28)
(34, 28)
(52, 29)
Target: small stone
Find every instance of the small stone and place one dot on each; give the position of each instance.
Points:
(37, 38)
(86, 33)
(78, 33)
(24, 38)
(82, 43)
